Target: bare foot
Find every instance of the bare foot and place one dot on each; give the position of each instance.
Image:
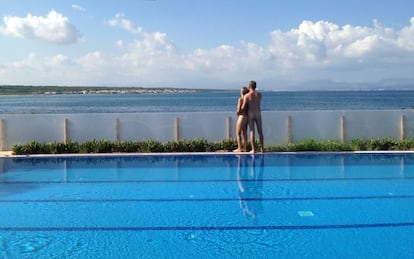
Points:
(237, 150)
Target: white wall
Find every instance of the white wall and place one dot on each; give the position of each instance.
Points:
(280, 127)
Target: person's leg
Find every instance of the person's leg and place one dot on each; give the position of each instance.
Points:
(251, 129)
(238, 134)
(244, 132)
(260, 132)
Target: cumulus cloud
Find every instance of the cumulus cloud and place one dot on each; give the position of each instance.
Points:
(149, 51)
(322, 49)
(89, 69)
(58, 60)
(313, 50)
(53, 28)
(120, 21)
(324, 42)
(406, 36)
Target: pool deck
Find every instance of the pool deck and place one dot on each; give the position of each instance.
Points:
(6, 153)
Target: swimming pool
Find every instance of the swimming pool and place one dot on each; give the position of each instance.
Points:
(335, 205)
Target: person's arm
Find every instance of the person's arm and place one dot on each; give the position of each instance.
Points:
(239, 105)
(244, 104)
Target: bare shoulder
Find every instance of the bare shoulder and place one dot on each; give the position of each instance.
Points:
(255, 94)
(247, 96)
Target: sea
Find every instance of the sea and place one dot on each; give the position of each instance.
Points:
(210, 101)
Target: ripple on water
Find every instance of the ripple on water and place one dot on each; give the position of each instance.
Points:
(40, 245)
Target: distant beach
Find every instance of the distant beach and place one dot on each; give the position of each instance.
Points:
(51, 90)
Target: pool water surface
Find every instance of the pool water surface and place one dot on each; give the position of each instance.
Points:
(305, 205)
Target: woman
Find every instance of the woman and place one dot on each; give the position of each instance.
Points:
(241, 126)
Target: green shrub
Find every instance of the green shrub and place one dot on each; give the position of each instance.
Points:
(195, 145)
(64, 148)
(174, 146)
(128, 147)
(332, 145)
(307, 145)
(198, 145)
(314, 145)
(202, 145)
(358, 145)
(98, 146)
(150, 146)
(405, 144)
(226, 145)
(277, 148)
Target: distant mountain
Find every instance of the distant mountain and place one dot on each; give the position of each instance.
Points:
(403, 84)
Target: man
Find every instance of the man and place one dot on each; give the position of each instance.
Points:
(252, 101)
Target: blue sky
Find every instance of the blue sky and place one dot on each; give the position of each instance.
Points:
(205, 43)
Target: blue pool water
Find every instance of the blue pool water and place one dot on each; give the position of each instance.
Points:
(208, 206)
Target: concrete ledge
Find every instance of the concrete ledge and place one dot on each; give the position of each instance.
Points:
(224, 153)
(6, 153)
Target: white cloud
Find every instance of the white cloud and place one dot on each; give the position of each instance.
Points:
(78, 8)
(120, 44)
(312, 51)
(92, 61)
(406, 37)
(58, 60)
(361, 47)
(53, 28)
(120, 21)
(90, 69)
(31, 61)
(326, 50)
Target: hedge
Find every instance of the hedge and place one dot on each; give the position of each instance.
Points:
(202, 145)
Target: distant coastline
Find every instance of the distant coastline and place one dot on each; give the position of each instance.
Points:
(6, 90)
(55, 90)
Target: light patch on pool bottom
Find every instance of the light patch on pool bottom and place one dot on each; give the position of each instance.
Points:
(305, 213)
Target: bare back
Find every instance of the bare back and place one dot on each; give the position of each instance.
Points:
(253, 100)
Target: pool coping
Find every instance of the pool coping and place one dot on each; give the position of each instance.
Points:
(5, 154)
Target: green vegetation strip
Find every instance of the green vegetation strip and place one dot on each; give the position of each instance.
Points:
(202, 145)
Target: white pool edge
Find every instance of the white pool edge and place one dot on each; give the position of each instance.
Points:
(10, 154)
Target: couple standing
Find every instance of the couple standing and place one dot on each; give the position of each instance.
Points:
(249, 114)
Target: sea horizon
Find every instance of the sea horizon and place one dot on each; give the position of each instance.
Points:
(211, 101)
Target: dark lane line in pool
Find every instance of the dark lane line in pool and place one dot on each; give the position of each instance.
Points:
(211, 199)
(209, 228)
(210, 181)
